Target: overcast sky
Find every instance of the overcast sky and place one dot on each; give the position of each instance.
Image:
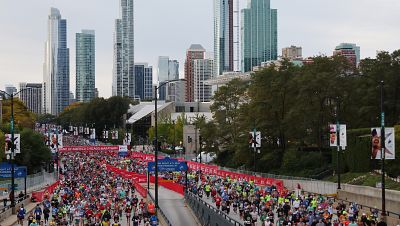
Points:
(168, 27)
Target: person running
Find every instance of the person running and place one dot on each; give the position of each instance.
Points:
(21, 215)
(38, 213)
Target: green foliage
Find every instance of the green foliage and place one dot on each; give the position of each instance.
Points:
(22, 117)
(169, 130)
(293, 106)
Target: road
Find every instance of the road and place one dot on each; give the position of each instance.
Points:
(173, 206)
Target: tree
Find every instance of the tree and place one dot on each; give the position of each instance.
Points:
(22, 116)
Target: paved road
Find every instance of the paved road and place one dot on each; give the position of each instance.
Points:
(173, 206)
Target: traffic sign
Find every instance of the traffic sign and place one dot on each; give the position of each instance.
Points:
(5, 171)
(167, 165)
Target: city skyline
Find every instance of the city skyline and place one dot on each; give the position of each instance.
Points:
(299, 23)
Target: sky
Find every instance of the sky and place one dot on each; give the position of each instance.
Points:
(169, 27)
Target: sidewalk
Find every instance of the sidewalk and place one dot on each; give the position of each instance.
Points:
(12, 220)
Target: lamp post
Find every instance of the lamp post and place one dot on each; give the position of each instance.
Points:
(12, 95)
(338, 141)
(173, 143)
(156, 137)
(383, 147)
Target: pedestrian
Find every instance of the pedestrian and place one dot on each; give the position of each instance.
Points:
(21, 215)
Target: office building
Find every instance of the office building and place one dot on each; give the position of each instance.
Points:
(195, 52)
(223, 36)
(72, 98)
(124, 67)
(56, 66)
(10, 89)
(167, 70)
(31, 96)
(259, 34)
(203, 69)
(144, 81)
(350, 51)
(292, 53)
(175, 91)
(85, 66)
(96, 93)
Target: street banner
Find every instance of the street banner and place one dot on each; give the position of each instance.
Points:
(70, 128)
(127, 139)
(88, 148)
(87, 131)
(389, 143)
(80, 129)
(114, 134)
(105, 134)
(93, 134)
(8, 143)
(333, 135)
(255, 139)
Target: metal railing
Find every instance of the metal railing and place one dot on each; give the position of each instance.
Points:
(191, 197)
(33, 182)
(159, 210)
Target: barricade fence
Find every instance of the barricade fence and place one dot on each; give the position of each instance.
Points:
(33, 182)
(207, 214)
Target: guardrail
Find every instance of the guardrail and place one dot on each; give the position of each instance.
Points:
(160, 212)
(195, 204)
(33, 181)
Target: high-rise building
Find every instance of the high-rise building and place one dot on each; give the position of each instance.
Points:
(56, 66)
(10, 89)
(350, 51)
(124, 66)
(223, 36)
(96, 93)
(144, 81)
(203, 70)
(195, 52)
(31, 96)
(175, 91)
(72, 98)
(85, 66)
(259, 32)
(292, 53)
(167, 70)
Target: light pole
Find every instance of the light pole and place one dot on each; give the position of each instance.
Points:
(383, 147)
(173, 143)
(12, 142)
(156, 137)
(338, 141)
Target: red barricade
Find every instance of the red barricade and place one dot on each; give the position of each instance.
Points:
(173, 187)
(40, 195)
(142, 191)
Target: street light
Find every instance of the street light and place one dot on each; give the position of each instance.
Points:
(12, 141)
(383, 147)
(156, 136)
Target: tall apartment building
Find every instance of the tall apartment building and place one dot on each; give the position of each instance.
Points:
(124, 66)
(85, 66)
(350, 51)
(259, 32)
(175, 91)
(203, 69)
(223, 36)
(56, 65)
(144, 81)
(31, 96)
(195, 52)
(167, 70)
(292, 53)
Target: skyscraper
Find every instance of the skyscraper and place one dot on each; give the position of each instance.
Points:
(167, 70)
(31, 96)
(144, 81)
(56, 65)
(223, 36)
(203, 69)
(350, 51)
(124, 66)
(10, 89)
(85, 66)
(259, 31)
(196, 51)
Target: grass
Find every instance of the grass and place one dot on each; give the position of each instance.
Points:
(365, 179)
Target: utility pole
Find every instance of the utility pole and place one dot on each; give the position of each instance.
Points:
(338, 141)
(383, 147)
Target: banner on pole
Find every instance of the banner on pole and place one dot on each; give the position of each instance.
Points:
(8, 143)
(127, 139)
(333, 135)
(389, 143)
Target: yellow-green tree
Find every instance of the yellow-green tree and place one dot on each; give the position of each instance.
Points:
(23, 118)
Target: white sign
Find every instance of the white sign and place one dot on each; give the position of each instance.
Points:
(333, 135)
(17, 143)
(389, 143)
(122, 148)
(255, 140)
(92, 134)
(114, 134)
(127, 138)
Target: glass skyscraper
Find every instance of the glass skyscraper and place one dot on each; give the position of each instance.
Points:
(56, 65)
(223, 36)
(144, 81)
(85, 66)
(124, 67)
(259, 32)
(167, 70)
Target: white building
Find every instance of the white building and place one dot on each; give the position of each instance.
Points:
(203, 69)
(124, 66)
(292, 52)
(31, 96)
